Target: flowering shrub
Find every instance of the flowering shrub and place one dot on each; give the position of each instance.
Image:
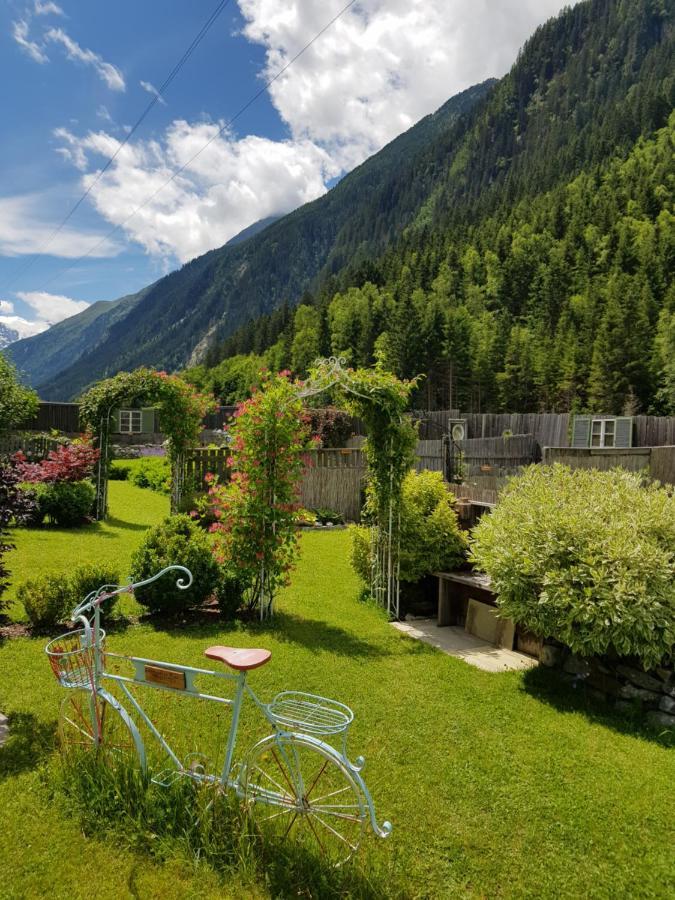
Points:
(74, 462)
(255, 513)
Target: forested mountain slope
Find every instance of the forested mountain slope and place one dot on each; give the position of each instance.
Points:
(209, 297)
(539, 272)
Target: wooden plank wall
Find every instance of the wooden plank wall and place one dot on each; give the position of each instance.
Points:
(334, 479)
(201, 460)
(60, 416)
(662, 464)
(654, 431)
(634, 459)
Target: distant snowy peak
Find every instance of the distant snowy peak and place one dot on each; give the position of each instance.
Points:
(7, 336)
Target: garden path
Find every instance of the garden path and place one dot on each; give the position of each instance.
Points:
(455, 641)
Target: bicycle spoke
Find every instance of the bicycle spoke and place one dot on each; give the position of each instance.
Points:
(341, 790)
(283, 772)
(336, 833)
(87, 734)
(269, 778)
(321, 771)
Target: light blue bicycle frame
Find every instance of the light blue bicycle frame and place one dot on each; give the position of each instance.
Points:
(284, 738)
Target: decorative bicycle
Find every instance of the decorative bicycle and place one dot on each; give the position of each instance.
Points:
(292, 781)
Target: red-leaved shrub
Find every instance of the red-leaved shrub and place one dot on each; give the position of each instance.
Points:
(74, 462)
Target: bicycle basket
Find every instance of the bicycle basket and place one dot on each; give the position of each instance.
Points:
(296, 711)
(72, 658)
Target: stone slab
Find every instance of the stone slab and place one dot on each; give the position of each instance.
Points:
(454, 640)
(4, 729)
(483, 622)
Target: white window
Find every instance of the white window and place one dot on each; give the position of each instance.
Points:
(602, 432)
(130, 421)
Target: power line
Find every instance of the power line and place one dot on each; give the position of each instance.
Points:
(156, 98)
(220, 131)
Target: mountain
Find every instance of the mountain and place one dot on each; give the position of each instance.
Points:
(524, 215)
(7, 335)
(181, 315)
(537, 274)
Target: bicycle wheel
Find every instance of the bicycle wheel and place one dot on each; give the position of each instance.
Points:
(97, 723)
(299, 788)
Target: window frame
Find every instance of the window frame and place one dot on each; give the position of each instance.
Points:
(131, 414)
(603, 434)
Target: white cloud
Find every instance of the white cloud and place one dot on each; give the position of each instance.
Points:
(25, 227)
(151, 89)
(20, 35)
(103, 113)
(47, 8)
(106, 71)
(385, 63)
(48, 309)
(233, 183)
(380, 68)
(51, 308)
(23, 327)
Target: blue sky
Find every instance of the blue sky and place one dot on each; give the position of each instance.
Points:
(74, 75)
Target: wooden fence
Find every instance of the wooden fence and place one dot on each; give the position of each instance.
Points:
(58, 416)
(659, 462)
(201, 460)
(34, 446)
(334, 479)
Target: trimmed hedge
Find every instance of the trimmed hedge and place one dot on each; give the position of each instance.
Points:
(585, 557)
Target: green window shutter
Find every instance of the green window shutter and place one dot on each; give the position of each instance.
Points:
(623, 432)
(115, 421)
(581, 431)
(147, 420)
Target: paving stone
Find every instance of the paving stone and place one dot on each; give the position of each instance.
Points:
(4, 729)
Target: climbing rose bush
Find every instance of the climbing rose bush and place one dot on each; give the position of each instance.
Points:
(256, 512)
(586, 557)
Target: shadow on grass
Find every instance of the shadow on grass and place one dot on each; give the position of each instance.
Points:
(547, 685)
(124, 525)
(286, 627)
(28, 742)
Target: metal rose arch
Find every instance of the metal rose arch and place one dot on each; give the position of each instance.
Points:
(181, 411)
(380, 400)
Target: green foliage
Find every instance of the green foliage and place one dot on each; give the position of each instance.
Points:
(230, 591)
(256, 512)
(586, 557)
(91, 577)
(153, 473)
(45, 599)
(65, 502)
(18, 404)
(325, 516)
(176, 541)
(431, 539)
(181, 407)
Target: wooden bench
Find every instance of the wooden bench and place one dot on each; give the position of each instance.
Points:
(454, 591)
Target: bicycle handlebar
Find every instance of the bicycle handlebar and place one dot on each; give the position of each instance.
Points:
(95, 598)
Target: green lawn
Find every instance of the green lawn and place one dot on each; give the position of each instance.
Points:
(498, 785)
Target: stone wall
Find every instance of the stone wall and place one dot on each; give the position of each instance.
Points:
(619, 681)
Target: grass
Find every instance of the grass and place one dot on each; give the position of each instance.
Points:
(507, 785)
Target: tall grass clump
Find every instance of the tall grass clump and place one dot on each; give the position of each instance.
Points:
(203, 824)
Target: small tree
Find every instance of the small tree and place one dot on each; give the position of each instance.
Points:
(18, 404)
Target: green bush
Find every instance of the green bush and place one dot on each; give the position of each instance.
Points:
(230, 592)
(153, 473)
(325, 516)
(431, 539)
(586, 557)
(175, 541)
(46, 599)
(119, 471)
(86, 579)
(65, 502)
(50, 599)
